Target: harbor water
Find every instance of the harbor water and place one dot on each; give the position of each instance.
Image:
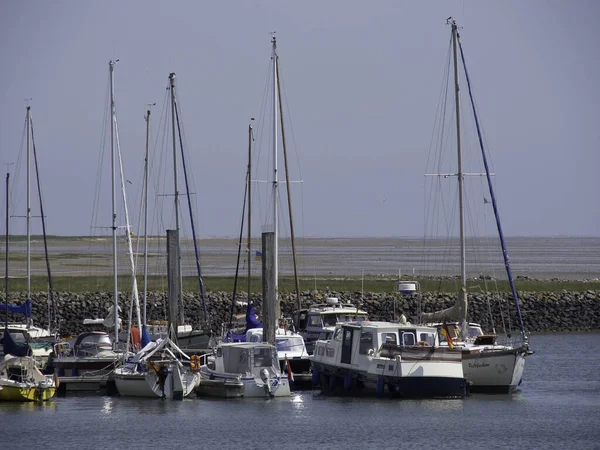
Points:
(557, 407)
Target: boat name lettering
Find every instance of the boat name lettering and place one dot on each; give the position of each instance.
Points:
(478, 365)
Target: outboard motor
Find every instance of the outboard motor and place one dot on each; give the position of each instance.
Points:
(264, 376)
(162, 374)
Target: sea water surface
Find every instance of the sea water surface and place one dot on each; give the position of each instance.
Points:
(557, 407)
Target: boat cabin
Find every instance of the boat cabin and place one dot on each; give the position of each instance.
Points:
(245, 358)
(475, 333)
(312, 321)
(286, 342)
(358, 341)
(91, 344)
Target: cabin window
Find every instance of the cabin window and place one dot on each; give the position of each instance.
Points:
(337, 335)
(292, 344)
(315, 321)
(329, 320)
(320, 350)
(366, 342)
(329, 352)
(427, 337)
(262, 357)
(408, 338)
(302, 321)
(390, 338)
(474, 332)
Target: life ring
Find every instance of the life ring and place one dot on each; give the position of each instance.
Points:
(423, 344)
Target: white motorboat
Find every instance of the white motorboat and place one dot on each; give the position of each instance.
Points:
(388, 358)
(248, 369)
(310, 322)
(293, 357)
(160, 370)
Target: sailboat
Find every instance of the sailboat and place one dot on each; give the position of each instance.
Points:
(161, 369)
(40, 340)
(20, 377)
(87, 362)
(252, 368)
(173, 374)
(488, 366)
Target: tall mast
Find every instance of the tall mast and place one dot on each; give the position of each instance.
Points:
(111, 68)
(249, 207)
(146, 216)
(173, 118)
(28, 205)
(6, 259)
(463, 266)
(275, 181)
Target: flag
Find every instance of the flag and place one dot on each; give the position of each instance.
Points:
(444, 331)
(258, 256)
(288, 368)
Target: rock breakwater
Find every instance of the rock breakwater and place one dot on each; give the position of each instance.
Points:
(541, 311)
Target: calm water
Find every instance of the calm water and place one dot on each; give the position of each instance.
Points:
(557, 408)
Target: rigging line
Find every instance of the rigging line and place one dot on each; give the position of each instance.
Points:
(187, 187)
(14, 182)
(442, 104)
(290, 125)
(99, 165)
(135, 297)
(52, 321)
(493, 198)
(237, 265)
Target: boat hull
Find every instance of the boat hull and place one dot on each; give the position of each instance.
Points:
(84, 374)
(497, 371)
(26, 393)
(214, 384)
(176, 386)
(348, 381)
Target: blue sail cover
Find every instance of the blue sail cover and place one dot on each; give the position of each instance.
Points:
(145, 336)
(10, 347)
(251, 319)
(251, 322)
(24, 309)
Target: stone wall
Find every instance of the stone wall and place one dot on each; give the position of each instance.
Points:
(542, 312)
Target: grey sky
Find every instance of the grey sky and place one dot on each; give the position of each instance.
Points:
(361, 79)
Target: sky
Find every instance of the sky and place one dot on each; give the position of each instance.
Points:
(362, 82)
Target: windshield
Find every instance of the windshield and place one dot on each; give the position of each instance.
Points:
(293, 344)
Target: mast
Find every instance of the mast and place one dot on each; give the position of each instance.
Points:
(28, 206)
(146, 217)
(249, 181)
(111, 68)
(173, 118)
(463, 266)
(52, 315)
(275, 181)
(6, 259)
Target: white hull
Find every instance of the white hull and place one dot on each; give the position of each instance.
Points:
(178, 384)
(220, 385)
(494, 371)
